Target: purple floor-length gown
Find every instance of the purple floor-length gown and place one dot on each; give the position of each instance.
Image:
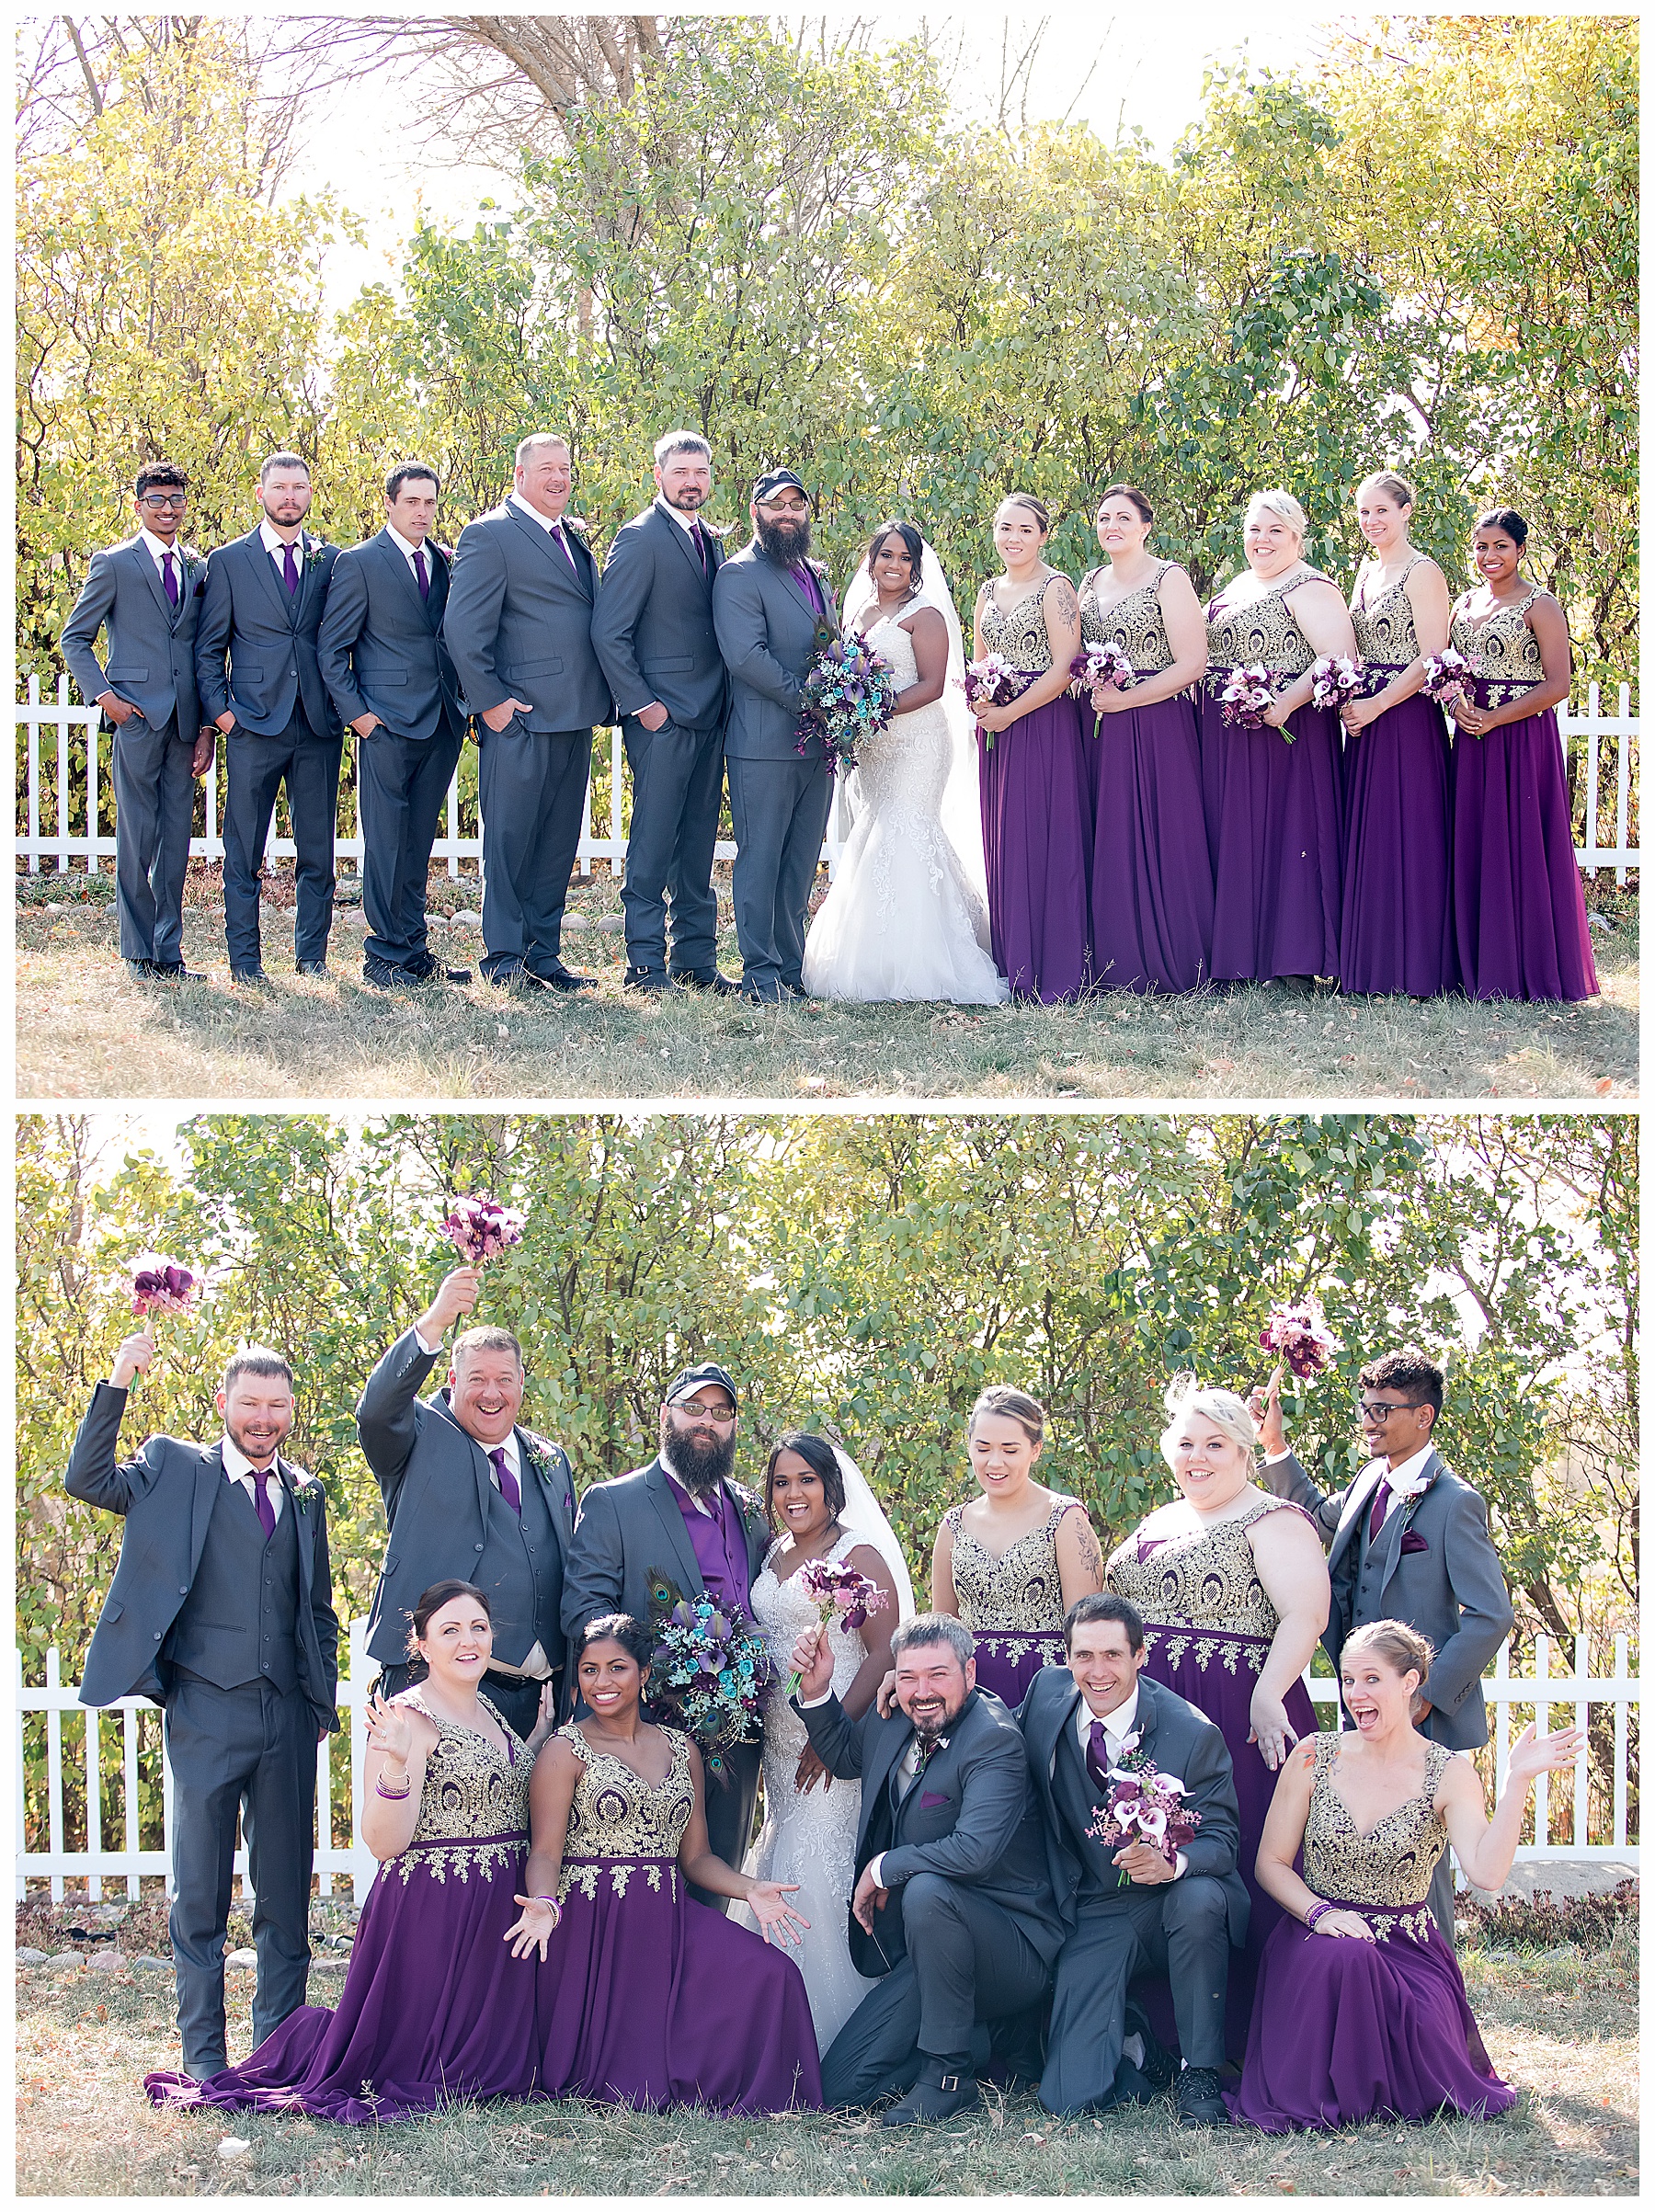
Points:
(1275, 804)
(646, 1998)
(1151, 868)
(1032, 778)
(1519, 915)
(1396, 927)
(1208, 1625)
(1345, 2030)
(434, 2007)
(1012, 1603)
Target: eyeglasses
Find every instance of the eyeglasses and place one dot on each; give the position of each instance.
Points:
(697, 1409)
(1380, 1410)
(785, 506)
(178, 499)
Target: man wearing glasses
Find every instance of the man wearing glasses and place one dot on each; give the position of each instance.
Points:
(679, 1520)
(142, 594)
(1407, 1541)
(770, 601)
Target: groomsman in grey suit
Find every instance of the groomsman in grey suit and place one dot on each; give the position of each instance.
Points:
(1408, 1540)
(390, 677)
(653, 632)
(470, 1492)
(221, 1610)
(770, 603)
(262, 609)
(518, 627)
(145, 595)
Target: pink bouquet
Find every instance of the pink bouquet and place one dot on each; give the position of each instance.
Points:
(1245, 695)
(1334, 678)
(1446, 674)
(1301, 1335)
(994, 682)
(833, 1587)
(480, 1230)
(1101, 667)
(1144, 1807)
(162, 1286)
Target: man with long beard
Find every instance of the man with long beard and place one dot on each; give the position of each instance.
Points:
(682, 1522)
(770, 604)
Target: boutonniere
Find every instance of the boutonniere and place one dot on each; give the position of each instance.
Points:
(314, 552)
(542, 1453)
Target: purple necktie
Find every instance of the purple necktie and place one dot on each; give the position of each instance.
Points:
(557, 531)
(167, 577)
(701, 543)
(261, 1499)
(808, 584)
(508, 1481)
(419, 570)
(1376, 1518)
(289, 568)
(1097, 1756)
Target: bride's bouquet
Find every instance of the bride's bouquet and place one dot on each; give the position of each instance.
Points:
(1334, 678)
(849, 691)
(1144, 1807)
(1301, 1335)
(1244, 697)
(835, 1587)
(994, 682)
(708, 1676)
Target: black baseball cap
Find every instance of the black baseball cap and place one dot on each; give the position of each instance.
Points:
(774, 481)
(692, 1379)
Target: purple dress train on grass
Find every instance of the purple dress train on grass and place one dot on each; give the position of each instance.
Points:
(1033, 781)
(1011, 1603)
(1151, 870)
(1345, 2030)
(1397, 927)
(1208, 1625)
(1275, 804)
(646, 1998)
(1519, 916)
(434, 2007)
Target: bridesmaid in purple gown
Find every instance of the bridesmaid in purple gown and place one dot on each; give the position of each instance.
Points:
(641, 1996)
(1151, 870)
(1396, 931)
(1032, 767)
(432, 2009)
(1519, 916)
(1274, 795)
(1362, 2011)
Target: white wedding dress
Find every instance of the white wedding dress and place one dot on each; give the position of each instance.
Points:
(902, 920)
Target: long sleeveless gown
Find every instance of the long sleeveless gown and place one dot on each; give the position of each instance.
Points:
(1036, 822)
(1012, 1603)
(1274, 802)
(1397, 927)
(902, 921)
(1151, 868)
(809, 1837)
(434, 2007)
(1208, 1625)
(1519, 916)
(646, 1998)
(1345, 2030)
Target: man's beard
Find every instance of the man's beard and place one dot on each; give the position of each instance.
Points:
(785, 541)
(700, 1462)
(689, 501)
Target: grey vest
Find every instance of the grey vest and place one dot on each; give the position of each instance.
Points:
(520, 1573)
(1075, 1794)
(239, 1624)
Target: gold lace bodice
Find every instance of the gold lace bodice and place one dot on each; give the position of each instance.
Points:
(618, 1818)
(1503, 650)
(1020, 1590)
(1384, 630)
(1201, 1588)
(1020, 637)
(474, 1803)
(1262, 630)
(1393, 1862)
(1133, 622)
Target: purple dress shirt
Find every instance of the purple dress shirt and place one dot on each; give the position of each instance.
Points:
(719, 1541)
(807, 578)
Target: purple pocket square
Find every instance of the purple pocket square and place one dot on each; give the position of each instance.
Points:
(1411, 1542)
(934, 1798)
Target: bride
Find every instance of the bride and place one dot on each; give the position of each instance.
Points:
(817, 1496)
(907, 917)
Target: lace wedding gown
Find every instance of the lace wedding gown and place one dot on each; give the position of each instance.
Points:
(902, 921)
(809, 1839)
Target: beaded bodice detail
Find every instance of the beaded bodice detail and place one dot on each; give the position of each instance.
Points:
(1202, 1581)
(474, 1803)
(1020, 638)
(1385, 627)
(1393, 1862)
(1503, 650)
(784, 1612)
(1133, 622)
(1262, 630)
(1021, 1588)
(617, 1814)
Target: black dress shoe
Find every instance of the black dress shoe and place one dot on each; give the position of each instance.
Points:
(516, 978)
(174, 971)
(428, 968)
(309, 967)
(1158, 2066)
(706, 979)
(382, 976)
(649, 980)
(944, 2089)
(566, 979)
(1199, 2103)
(139, 970)
(254, 975)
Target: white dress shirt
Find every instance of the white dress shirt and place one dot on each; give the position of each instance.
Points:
(408, 551)
(1117, 1726)
(277, 546)
(159, 553)
(1406, 1483)
(552, 524)
(238, 1467)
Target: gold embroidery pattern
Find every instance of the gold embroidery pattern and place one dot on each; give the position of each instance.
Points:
(1133, 622)
(1021, 1591)
(461, 1860)
(1503, 652)
(617, 1815)
(471, 1791)
(1020, 637)
(1262, 630)
(587, 1875)
(1207, 1580)
(1234, 1651)
(1385, 631)
(1392, 1863)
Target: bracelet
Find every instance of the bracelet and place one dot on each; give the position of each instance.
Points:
(1317, 1910)
(395, 1796)
(556, 1909)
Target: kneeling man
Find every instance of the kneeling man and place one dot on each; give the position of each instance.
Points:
(952, 1906)
(1129, 1910)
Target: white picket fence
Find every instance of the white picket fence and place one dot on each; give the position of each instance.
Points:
(103, 1861)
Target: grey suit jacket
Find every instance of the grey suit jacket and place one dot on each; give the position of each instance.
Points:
(269, 636)
(1452, 1590)
(151, 648)
(766, 628)
(166, 1495)
(629, 1533)
(652, 627)
(1180, 1740)
(380, 647)
(435, 1480)
(519, 622)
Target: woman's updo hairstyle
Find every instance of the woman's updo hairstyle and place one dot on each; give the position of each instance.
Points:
(912, 541)
(1402, 1648)
(1128, 491)
(1228, 1413)
(1037, 508)
(1283, 505)
(432, 1601)
(621, 1628)
(1393, 487)
(1011, 1405)
(819, 1455)
(1506, 519)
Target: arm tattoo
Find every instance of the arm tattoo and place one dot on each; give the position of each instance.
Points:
(1064, 599)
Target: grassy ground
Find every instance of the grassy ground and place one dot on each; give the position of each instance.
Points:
(1561, 2024)
(86, 1031)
